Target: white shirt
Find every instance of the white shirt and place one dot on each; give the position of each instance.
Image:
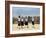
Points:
(26, 19)
(22, 19)
(32, 18)
(18, 19)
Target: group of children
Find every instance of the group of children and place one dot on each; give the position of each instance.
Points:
(22, 21)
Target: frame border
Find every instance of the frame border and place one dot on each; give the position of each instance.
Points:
(7, 18)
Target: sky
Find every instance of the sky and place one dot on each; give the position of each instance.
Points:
(25, 11)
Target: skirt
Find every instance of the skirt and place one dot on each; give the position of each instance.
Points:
(26, 23)
(22, 24)
(32, 22)
(18, 23)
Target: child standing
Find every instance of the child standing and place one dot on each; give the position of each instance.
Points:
(19, 22)
(26, 21)
(22, 22)
(32, 20)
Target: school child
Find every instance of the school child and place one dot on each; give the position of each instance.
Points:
(32, 20)
(22, 22)
(26, 22)
(19, 22)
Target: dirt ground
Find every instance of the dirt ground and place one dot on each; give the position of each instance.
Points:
(29, 27)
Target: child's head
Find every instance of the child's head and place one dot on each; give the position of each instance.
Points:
(19, 16)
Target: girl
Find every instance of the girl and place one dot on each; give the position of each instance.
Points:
(32, 20)
(19, 22)
(22, 22)
(26, 22)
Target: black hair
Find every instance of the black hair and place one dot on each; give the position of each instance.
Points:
(19, 16)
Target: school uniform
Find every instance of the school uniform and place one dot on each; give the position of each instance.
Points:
(22, 22)
(32, 21)
(18, 21)
(26, 21)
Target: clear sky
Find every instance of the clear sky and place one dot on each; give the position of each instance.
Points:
(25, 11)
